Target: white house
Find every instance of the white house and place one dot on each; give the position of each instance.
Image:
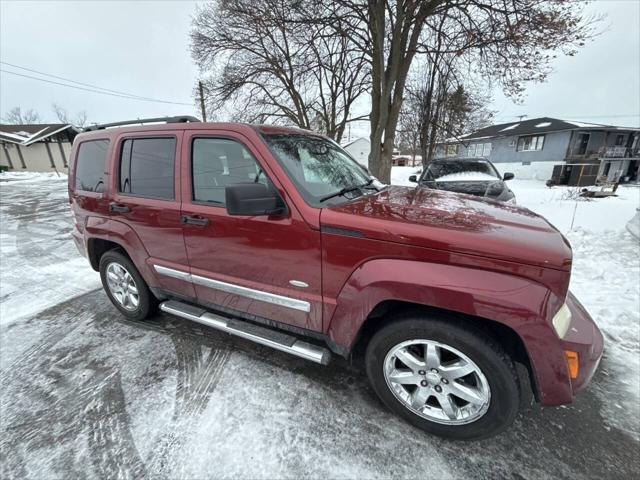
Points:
(359, 149)
(36, 147)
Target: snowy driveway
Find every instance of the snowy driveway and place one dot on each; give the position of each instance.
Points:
(88, 394)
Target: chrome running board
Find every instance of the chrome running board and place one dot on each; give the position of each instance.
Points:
(255, 333)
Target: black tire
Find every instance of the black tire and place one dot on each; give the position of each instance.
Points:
(496, 366)
(148, 303)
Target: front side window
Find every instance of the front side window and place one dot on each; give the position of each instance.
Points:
(90, 165)
(147, 167)
(320, 168)
(530, 143)
(217, 163)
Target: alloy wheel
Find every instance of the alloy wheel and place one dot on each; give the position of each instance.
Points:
(437, 382)
(122, 286)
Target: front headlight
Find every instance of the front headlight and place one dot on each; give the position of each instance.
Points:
(562, 320)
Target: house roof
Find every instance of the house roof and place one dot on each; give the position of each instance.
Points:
(354, 141)
(535, 125)
(31, 133)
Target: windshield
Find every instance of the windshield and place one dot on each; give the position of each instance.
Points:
(319, 168)
(460, 171)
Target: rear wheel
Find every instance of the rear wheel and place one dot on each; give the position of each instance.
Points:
(125, 287)
(445, 377)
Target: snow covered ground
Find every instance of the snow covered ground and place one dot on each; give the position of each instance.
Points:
(40, 264)
(87, 394)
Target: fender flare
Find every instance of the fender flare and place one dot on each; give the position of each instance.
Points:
(123, 235)
(516, 302)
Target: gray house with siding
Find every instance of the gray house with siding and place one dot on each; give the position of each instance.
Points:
(567, 152)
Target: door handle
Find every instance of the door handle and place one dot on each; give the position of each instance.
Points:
(118, 207)
(194, 220)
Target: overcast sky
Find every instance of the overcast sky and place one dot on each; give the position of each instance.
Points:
(142, 48)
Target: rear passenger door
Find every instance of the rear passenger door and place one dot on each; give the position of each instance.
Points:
(147, 198)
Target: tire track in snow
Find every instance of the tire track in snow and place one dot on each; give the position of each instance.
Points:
(199, 368)
(112, 449)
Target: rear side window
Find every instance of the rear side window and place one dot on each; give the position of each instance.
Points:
(147, 167)
(90, 165)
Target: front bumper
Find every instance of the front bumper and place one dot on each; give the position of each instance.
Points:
(583, 337)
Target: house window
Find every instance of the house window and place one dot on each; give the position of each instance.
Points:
(619, 140)
(582, 142)
(147, 167)
(530, 143)
(607, 167)
(486, 150)
(471, 151)
(452, 150)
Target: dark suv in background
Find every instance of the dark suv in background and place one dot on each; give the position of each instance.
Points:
(472, 175)
(278, 236)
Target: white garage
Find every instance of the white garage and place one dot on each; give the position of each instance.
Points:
(359, 149)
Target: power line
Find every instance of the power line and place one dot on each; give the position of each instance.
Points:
(99, 90)
(74, 81)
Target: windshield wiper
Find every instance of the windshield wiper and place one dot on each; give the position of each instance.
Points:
(345, 190)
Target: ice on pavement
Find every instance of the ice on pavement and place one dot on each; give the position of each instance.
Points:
(41, 266)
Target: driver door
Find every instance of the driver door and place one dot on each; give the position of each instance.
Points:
(259, 266)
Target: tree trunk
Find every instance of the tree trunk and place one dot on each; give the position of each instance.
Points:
(385, 160)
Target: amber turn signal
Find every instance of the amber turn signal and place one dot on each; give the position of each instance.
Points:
(573, 363)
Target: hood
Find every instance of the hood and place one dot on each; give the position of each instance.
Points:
(454, 222)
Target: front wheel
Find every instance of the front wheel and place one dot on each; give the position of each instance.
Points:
(445, 377)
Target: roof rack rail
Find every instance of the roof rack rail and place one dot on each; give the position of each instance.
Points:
(141, 121)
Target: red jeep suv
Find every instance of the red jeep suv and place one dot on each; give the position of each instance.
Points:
(278, 236)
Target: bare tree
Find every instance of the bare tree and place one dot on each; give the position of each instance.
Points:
(512, 41)
(79, 120)
(16, 116)
(408, 134)
(277, 64)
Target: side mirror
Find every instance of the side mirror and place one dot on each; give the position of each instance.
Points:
(413, 178)
(508, 176)
(253, 199)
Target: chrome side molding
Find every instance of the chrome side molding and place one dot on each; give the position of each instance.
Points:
(234, 289)
(170, 272)
(255, 333)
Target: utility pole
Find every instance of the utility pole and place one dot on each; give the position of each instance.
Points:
(521, 117)
(202, 109)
